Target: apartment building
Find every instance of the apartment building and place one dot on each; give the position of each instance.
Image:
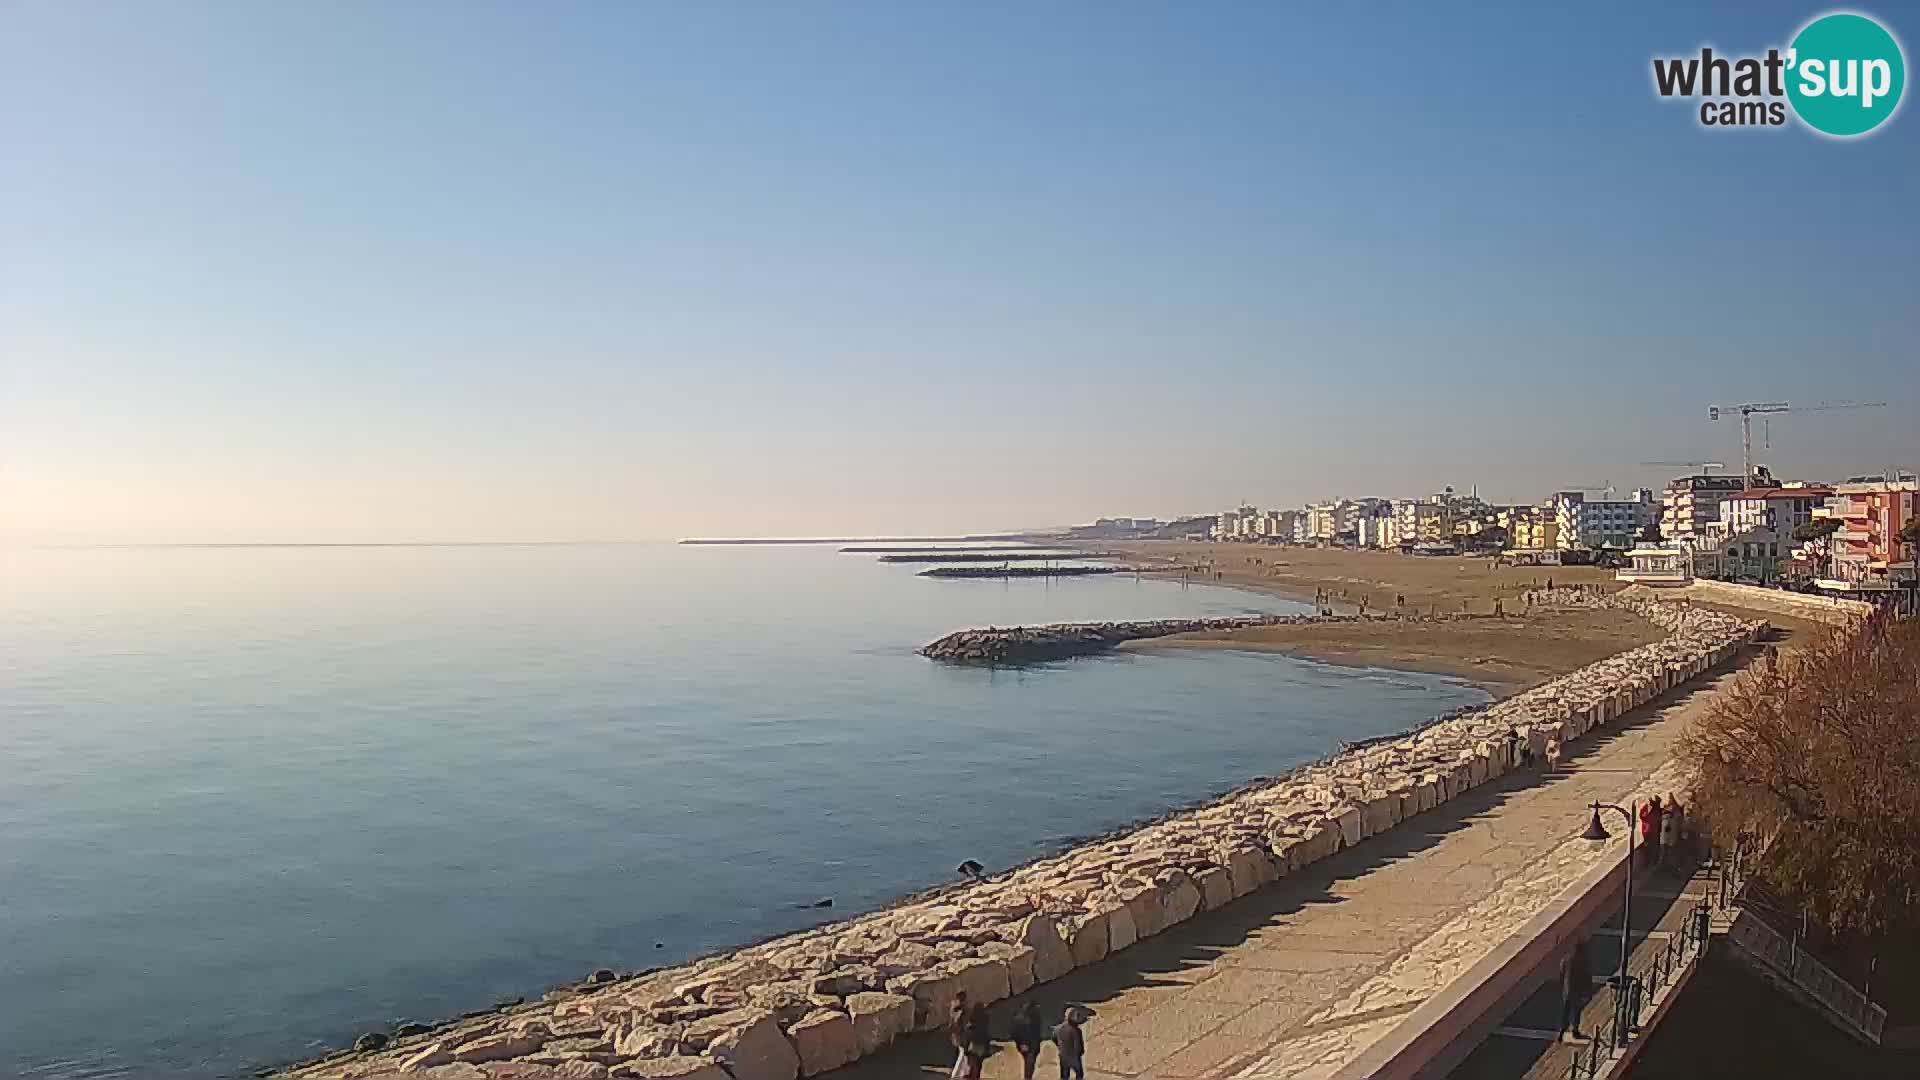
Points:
(1690, 503)
(1418, 520)
(1782, 509)
(1533, 528)
(1595, 523)
(1239, 524)
(1277, 524)
(1871, 514)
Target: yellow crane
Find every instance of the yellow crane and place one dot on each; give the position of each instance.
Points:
(1747, 410)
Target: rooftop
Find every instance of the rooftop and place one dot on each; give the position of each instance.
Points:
(1782, 493)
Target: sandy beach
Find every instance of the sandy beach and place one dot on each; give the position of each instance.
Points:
(1502, 655)
(1519, 649)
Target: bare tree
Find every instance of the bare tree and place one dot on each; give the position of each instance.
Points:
(1821, 748)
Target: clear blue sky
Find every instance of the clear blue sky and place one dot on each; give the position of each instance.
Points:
(475, 271)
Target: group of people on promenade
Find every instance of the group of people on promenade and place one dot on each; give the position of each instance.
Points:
(1660, 824)
(971, 1031)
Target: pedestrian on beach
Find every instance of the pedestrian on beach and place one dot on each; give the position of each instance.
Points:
(1650, 814)
(957, 1033)
(1029, 1031)
(1073, 1046)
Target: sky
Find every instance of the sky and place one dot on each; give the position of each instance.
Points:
(425, 271)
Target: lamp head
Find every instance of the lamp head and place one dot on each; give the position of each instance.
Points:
(1595, 830)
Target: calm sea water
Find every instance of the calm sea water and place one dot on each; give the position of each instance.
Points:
(254, 801)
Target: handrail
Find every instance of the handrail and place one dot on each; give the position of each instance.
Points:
(1778, 952)
(1651, 971)
(1752, 934)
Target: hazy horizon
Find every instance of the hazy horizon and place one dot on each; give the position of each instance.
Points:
(489, 272)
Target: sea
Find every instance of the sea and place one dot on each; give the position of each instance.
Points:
(255, 801)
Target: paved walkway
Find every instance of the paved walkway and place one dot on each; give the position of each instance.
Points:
(1297, 979)
(1528, 1045)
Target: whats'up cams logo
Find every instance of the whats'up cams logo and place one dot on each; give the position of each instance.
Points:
(1842, 76)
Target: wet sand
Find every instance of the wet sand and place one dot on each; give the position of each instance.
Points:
(1501, 655)
(1504, 654)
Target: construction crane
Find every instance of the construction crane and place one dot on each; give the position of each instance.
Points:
(1708, 466)
(1747, 410)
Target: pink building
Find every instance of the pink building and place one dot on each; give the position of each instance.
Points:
(1864, 550)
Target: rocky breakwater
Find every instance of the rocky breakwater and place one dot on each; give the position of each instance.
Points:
(811, 1002)
(1060, 641)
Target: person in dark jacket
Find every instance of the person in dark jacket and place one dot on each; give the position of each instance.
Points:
(979, 1039)
(957, 1035)
(1576, 979)
(1029, 1031)
(1073, 1047)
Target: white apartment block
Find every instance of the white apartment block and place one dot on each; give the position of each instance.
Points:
(1277, 524)
(1366, 530)
(1415, 520)
(1387, 531)
(1692, 503)
(1595, 523)
(1781, 509)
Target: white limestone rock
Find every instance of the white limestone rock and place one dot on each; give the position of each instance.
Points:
(823, 1041)
(1052, 957)
(756, 1051)
(878, 1019)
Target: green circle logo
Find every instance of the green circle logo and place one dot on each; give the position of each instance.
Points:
(1845, 74)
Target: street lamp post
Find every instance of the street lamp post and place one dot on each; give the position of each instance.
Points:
(1597, 831)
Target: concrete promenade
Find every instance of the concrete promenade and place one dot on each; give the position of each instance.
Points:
(1298, 979)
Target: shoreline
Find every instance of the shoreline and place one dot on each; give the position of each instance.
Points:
(1470, 675)
(1179, 574)
(1503, 664)
(813, 1000)
(1502, 655)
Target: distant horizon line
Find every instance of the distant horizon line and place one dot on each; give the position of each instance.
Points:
(694, 541)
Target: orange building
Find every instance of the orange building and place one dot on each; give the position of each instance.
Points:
(1870, 513)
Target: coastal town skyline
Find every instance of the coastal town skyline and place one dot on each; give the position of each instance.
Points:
(640, 274)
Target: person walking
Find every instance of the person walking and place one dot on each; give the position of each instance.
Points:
(1576, 980)
(979, 1039)
(957, 1034)
(1569, 1008)
(1072, 1043)
(1650, 830)
(1669, 824)
(1029, 1031)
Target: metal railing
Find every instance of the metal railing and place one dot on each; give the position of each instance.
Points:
(1814, 978)
(1650, 971)
(1749, 929)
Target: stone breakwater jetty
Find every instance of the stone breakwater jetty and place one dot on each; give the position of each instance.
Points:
(1060, 641)
(1012, 645)
(993, 556)
(810, 1002)
(1024, 571)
